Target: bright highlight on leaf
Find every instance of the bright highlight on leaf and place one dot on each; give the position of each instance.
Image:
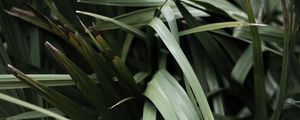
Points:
(216, 26)
(185, 66)
(31, 106)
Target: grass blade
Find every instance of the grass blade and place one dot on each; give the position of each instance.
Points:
(131, 3)
(187, 69)
(34, 115)
(243, 66)
(31, 106)
(123, 26)
(285, 60)
(172, 105)
(69, 107)
(11, 82)
(126, 46)
(61, 18)
(88, 88)
(226, 6)
(142, 17)
(167, 12)
(268, 34)
(214, 50)
(259, 79)
(214, 26)
(28, 17)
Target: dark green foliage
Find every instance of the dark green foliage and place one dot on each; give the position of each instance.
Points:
(150, 60)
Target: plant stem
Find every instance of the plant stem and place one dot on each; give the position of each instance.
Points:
(285, 60)
(260, 94)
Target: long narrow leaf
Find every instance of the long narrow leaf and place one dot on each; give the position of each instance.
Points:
(84, 84)
(31, 106)
(124, 2)
(11, 82)
(214, 26)
(286, 57)
(33, 115)
(28, 17)
(61, 18)
(243, 66)
(168, 13)
(210, 45)
(142, 17)
(259, 79)
(123, 26)
(170, 98)
(66, 105)
(187, 69)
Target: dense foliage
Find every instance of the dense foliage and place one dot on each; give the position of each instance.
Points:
(149, 59)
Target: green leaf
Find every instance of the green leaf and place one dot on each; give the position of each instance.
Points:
(163, 59)
(131, 3)
(259, 79)
(126, 46)
(122, 25)
(31, 106)
(120, 102)
(34, 114)
(170, 98)
(87, 87)
(214, 51)
(136, 18)
(140, 76)
(226, 6)
(214, 26)
(142, 17)
(287, 45)
(185, 66)
(104, 65)
(149, 112)
(97, 63)
(206, 74)
(243, 66)
(208, 7)
(168, 14)
(240, 38)
(60, 17)
(126, 75)
(66, 105)
(28, 17)
(11, 82)
(268, 34)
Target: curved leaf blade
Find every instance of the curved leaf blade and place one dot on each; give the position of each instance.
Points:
(186, 67)
(31, 106)
(88, 88)
(170, 98)
(66, 105)
(122, 25)
(131, 3)
(215, 26)
(34, 114)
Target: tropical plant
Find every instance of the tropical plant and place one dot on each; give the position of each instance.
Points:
(149, 59)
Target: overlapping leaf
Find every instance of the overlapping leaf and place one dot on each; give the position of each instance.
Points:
(66, 105)
(185, 66)
(172, 105)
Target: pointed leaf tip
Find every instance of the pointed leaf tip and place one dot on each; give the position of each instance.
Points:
(50, 47)
(11, 69)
